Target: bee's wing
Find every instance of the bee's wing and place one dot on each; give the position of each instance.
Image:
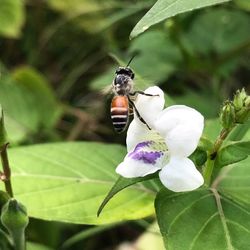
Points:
(107, 90)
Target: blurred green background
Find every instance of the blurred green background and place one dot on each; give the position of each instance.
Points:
(57, 56)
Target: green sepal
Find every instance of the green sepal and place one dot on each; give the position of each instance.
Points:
(227, 116)
(4, 197)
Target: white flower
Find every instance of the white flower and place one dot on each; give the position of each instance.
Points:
(174, 135)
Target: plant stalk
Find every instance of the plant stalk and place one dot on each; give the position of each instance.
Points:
(6, 176)
(19, 240)
(213, 154)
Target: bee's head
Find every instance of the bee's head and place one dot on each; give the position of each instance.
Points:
(125, 71)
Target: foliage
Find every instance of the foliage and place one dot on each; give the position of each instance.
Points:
(71, 179)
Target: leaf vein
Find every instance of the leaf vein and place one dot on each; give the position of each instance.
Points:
(186, 208)
(239, 225)
(201, 229)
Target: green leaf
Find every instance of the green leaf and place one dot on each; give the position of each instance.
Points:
(12, 17)
(235, 182)
(232, 152)
(164, 9)
(244, 4)
(68, 181)
(5, 241)
(28, 103)
(216, 218)
(37, 85)
(121, 184)
(35, 246)
(241, 132)
(221, 23)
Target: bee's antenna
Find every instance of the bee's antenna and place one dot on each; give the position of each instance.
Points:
(131, 59)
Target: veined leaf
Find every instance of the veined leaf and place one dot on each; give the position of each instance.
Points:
(241, 132)
(233, 152)
(234, 182)
(164, 9)
(68, 181)
(121, 184)
(216, 218)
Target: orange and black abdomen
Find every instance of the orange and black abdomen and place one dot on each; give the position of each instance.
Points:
(120, 113)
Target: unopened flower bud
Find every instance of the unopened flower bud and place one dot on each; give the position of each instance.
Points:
(247, 102)
(243, 114)
(14, 215)
(227, 116)
(239, 99)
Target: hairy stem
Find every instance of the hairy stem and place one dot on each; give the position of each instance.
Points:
(6, 176)
(213, 154)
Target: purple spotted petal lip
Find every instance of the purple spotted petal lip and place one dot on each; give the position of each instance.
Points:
(141, 145)
(145, 156)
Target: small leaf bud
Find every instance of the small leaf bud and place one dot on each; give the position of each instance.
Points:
(14, 216)
(227, 116)
(247, 102)
(239, 99)
(243, 114)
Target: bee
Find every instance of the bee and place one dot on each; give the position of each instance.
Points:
(123, 98)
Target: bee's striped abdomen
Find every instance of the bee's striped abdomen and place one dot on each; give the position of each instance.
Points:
(119, 113)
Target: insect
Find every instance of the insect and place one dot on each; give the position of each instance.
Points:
(123, 98)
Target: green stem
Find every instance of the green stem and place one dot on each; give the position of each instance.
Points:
(213, 154)
(208, 171)
(18, 239)
(6, 170)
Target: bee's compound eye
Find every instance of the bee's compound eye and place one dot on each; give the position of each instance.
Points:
(117, 80)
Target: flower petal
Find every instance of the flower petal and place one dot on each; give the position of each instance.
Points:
(182, 127)
(141, 161)
(138, 132)
(150, 106)
(180, 175)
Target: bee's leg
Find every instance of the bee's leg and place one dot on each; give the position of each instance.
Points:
(131, 111)
(141, 93)
(138, 114)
